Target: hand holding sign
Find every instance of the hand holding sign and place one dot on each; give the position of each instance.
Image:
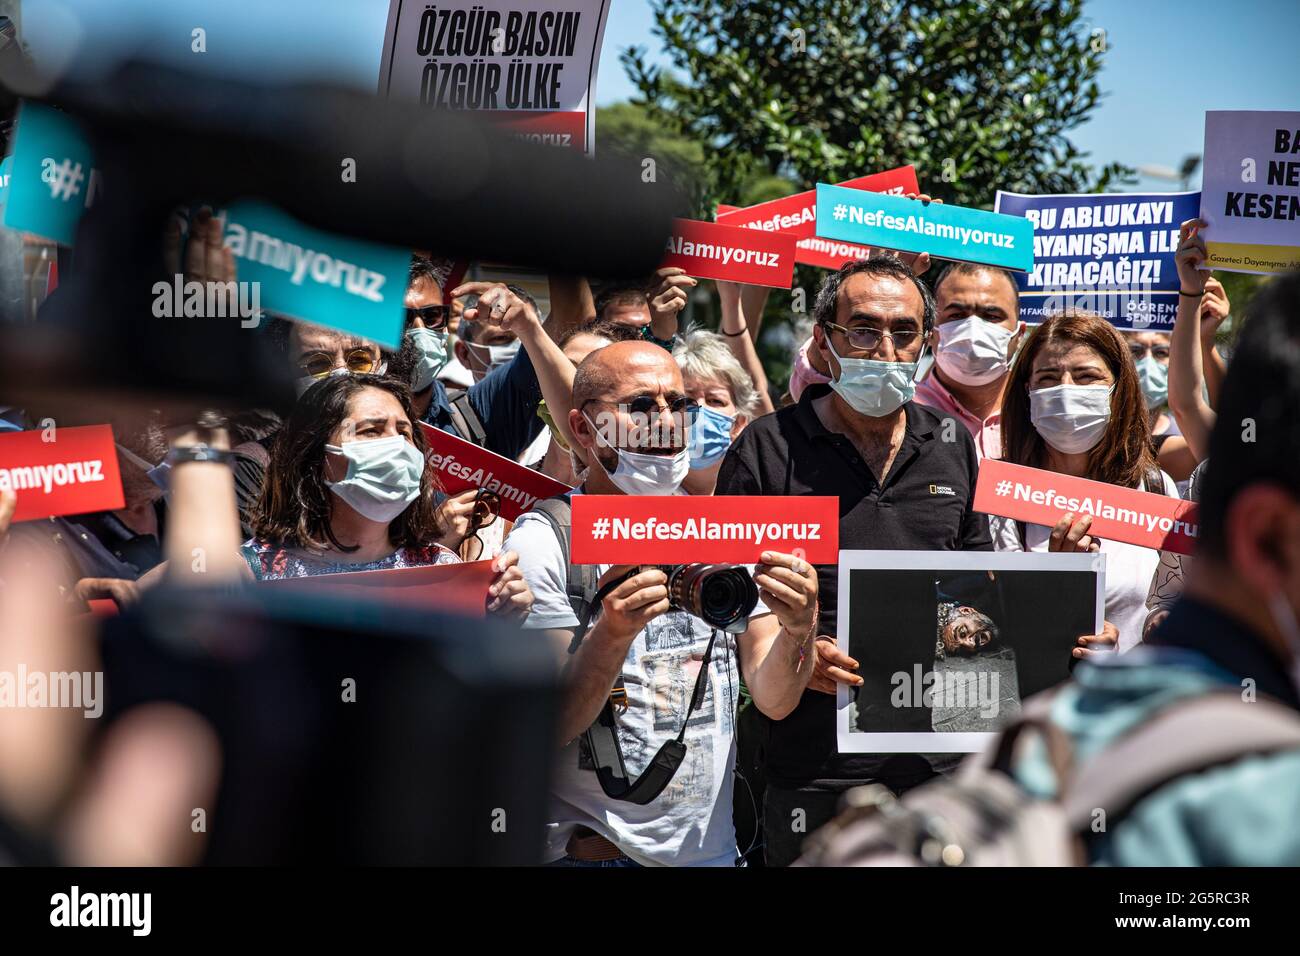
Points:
(455, 515)
(832, 667)
(1070, 536)
(1091, 645)
(668, 296)
(207, 258)
(919, 262)
(1190, 257)
(509, 596)
(788, 586)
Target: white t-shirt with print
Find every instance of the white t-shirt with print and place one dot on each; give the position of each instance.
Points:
(1129, 570)
(690, 823)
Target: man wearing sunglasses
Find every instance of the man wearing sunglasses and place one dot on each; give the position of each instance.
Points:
(630, 424)
(905, 479)
(317, 352)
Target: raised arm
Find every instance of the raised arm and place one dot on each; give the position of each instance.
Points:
(499, 307)
(1195, 418)
(572, 305)
(737, 328)
(201, 546)
(667, 296)
(1215, 308)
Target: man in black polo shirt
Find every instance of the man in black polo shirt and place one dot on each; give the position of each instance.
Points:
(905, 479)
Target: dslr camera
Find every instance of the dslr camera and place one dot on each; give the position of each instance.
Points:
(721, 595)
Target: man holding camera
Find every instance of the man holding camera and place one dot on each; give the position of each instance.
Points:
(647, 677)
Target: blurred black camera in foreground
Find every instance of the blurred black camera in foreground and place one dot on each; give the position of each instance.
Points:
(350, 733)
(445, 181)
(721, 595)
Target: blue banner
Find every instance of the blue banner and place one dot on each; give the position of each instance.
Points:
(52, 180)
(347, 284)
(909, 225)
(1108, 254)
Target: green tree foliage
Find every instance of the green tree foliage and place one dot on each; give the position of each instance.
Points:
(977, 95)
(779, 96)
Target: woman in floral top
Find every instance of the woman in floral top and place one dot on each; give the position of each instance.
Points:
(347, 490)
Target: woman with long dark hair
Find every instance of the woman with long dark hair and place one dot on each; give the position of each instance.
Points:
(1074, 405)
(347, 489)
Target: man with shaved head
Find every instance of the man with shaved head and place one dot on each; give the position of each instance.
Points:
(630, 421)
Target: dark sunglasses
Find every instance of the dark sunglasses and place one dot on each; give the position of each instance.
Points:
(650, 407)
(434, 317)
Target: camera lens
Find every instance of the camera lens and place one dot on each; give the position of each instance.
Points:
(721, 595)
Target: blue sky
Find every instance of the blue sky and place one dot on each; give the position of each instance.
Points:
(1168, 61)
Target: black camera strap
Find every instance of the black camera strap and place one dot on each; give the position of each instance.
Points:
(602, 736)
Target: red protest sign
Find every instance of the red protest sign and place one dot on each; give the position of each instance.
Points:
(707, 250)
(1118, 514)
(74, 473)
(559, 128)
(627, 529)
(797, 215)
(461, 466)
(459, 588)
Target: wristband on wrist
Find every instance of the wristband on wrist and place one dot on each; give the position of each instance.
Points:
(1192, 295)
(807, 638)
(734, 335)
(199, 452)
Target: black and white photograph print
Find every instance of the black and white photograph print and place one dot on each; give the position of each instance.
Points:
(950, 643)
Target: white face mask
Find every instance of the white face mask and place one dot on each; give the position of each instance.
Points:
(872, 387)
(972, 351)
(498, 355)
(383, 476)
(1071, 418)
(641, 474)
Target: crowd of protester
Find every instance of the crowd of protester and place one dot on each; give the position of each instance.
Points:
(899, 351)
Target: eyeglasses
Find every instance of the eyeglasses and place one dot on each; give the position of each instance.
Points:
(434, 317)
(320, 364)
(648, 406)
(868, 339)
(487, 507)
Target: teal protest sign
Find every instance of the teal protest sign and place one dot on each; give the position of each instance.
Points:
(6, 170)
(946, 232)
(347, 284)
(52, 181)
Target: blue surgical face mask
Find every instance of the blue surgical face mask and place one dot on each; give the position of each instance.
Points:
(383, 476)
(431, 354)
(1154, 378)
(874, 388)
(710, 437)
